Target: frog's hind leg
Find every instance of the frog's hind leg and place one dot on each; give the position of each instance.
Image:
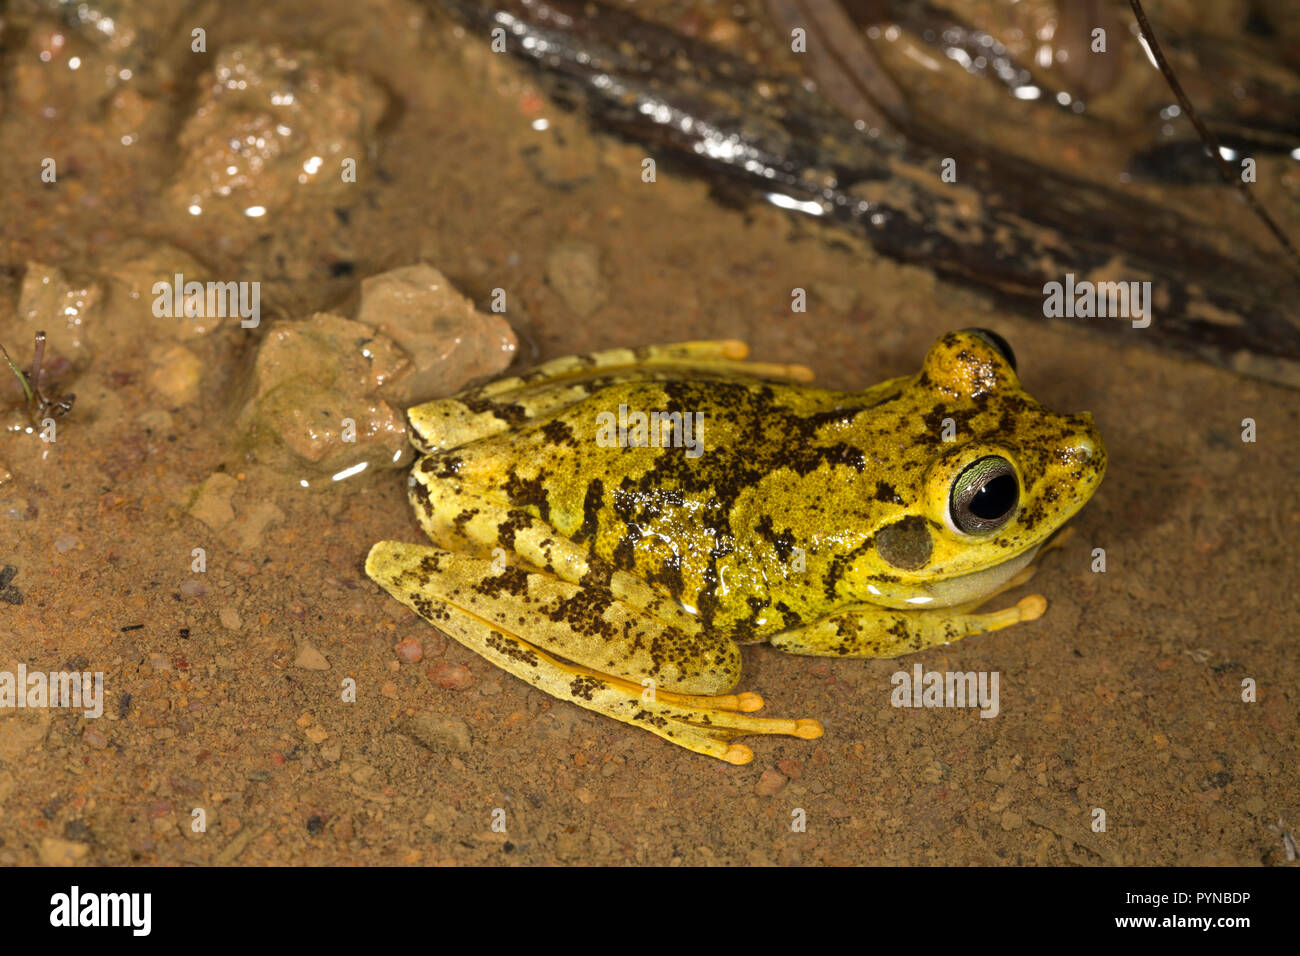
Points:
(497, 406)
(722, 355)
(460, 521)
(566, 623)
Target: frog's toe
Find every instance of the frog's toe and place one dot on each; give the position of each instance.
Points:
(738, 754)
(808, 729)
(1032, 607)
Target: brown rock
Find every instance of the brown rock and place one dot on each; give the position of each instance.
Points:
(770, 783)
(310, 659)
(441, 734)
(270, 131)
(448, 340)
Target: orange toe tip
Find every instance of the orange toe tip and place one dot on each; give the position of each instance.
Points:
(808, 729)
(801, 373)
(734, 349)
(738, 754)
(748, 702)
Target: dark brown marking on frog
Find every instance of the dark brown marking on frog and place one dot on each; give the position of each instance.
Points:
(668, 575)
(512, 581)
(789, 618)
(442, 466)
(584, 611)
(558, 432)
(592, 502)
(885, 492)
(458, 523)
(514, 523)
(508, 648)
(648, 718)
(529, 492)
(585, 686)
(508, 412)
(961, 418)
(782, 541)
(422, 499)
(898, 629)
(1029, 517)
(427, 609)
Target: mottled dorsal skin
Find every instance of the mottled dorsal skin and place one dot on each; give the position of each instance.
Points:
(802, 501)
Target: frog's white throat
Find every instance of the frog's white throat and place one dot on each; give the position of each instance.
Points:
(948, 592)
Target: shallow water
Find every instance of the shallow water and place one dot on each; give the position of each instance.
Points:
(1125, 696)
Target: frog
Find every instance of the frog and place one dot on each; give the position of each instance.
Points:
(612, 528)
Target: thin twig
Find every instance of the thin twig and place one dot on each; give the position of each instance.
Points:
(1208, 138)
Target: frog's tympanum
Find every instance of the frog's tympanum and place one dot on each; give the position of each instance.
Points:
(611, 527)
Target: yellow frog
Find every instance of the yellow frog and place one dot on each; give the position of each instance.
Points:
(610, 527)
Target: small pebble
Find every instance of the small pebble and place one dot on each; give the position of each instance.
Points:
(791, 768)
(56, 852)
(212, 502)
(229, 618)
(410, 650)
(450, 676)
(311, 659)
(192, 588)
(770, 783)
(317, 734)
(65, 544)
(440, 733)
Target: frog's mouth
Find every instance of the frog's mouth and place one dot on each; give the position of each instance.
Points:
(962, 588)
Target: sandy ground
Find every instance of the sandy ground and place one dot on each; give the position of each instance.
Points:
(1127, 696)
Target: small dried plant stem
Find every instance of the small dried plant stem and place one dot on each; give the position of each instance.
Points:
(1208, 138)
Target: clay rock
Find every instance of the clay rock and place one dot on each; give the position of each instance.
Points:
(449, 341)
(312, 409)
(271, 131)
(65, 310)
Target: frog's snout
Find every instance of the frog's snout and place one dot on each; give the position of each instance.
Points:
(1085, 442)
(1084, 447)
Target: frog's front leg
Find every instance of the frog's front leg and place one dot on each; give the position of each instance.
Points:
(869, 631)
(580, 643)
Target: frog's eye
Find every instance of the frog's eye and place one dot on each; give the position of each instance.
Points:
(985, 495)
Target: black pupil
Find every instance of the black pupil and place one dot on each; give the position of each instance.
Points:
(995, 498)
